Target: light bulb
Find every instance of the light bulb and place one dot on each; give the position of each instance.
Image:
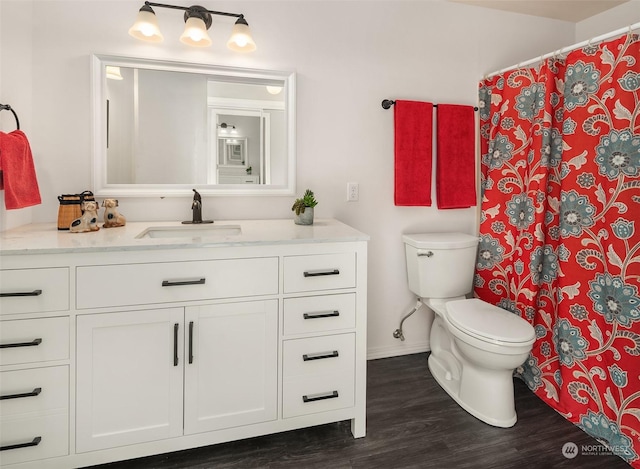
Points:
(241, 40)
(195, 33)
(146, 26)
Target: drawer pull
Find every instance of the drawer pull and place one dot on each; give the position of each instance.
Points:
(319, 273)
(21, 293)
(176, 326)
(35, 442)
(179, 283)
(320, 397)
(33, 393)
(322, 314)
(319, 356)
(33, 343)
(190, 342)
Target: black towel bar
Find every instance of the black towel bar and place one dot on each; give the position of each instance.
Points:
(387, 103)
(7, 107)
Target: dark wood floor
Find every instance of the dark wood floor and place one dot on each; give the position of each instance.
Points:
(412, 423)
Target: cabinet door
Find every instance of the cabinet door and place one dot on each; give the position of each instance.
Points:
(129, 377)
(231, 365)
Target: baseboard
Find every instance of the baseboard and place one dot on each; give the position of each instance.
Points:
(397, 350)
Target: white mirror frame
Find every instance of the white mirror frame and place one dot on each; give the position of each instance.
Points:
(99, 169)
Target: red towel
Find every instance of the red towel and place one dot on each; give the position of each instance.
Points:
(18, 173)
(413, 123)
(456, 157)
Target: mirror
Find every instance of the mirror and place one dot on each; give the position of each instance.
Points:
(232, 152)
(163, 128)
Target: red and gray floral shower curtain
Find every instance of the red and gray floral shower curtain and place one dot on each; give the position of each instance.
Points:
(560, 230)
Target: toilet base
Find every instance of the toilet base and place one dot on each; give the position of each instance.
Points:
(451, 385)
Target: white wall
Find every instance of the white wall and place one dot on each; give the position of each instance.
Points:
(610, 20)
(15, 86)
(348, 56)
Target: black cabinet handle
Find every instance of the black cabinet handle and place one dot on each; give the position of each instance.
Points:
(319, 273)
(33, 343)
(190, 342)
(176, 326)
(179, 283)
(36, 441)
(321, 314)
(33, 393)
(22, 293)
(320, 397)
(319, 356)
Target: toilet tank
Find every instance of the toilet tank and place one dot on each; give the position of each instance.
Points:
(440, 265)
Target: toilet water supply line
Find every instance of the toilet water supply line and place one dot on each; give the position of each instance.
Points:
(397, 334)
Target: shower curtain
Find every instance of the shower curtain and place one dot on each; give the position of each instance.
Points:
(560, 230)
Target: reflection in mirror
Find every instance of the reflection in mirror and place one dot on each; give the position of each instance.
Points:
(166, 127)
(232, 152)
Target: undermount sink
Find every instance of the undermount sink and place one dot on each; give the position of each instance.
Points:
(191, 231)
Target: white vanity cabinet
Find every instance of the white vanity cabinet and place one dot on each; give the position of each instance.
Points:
(141, 374)
(319, 350)
(34, 364)
(158, 346)
(129, 385)
(231, 365)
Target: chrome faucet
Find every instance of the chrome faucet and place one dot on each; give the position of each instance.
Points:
(196, 206)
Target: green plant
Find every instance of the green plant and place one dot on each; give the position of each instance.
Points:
(307, 200)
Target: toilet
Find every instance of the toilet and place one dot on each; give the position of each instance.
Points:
(475, 346)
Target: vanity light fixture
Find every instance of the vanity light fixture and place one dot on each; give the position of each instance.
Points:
(197, 21)
(113, 72)
(274, 89)
(226, 128)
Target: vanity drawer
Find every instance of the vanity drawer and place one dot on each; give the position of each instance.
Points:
(34, 340)
(319, 313)
(312, 394)
(34, 391)
(319, 272)
(318, 374)
(34, 290)
(34, 437)
(319, 355)
(139, 284)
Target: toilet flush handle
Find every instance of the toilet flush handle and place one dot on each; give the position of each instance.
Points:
(425, 254)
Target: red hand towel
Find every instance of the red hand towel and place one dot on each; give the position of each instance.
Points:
(413, 123)
(18, 173)
(455, 160)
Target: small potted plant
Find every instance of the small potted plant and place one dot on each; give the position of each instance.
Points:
(249, 169)
(303, 208)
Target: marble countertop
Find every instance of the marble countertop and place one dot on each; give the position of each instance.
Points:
(44, 238)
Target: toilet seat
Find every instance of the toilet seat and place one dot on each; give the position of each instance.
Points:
(489, 323)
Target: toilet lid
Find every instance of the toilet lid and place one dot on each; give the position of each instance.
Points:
(440, 240)
(483, 320)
